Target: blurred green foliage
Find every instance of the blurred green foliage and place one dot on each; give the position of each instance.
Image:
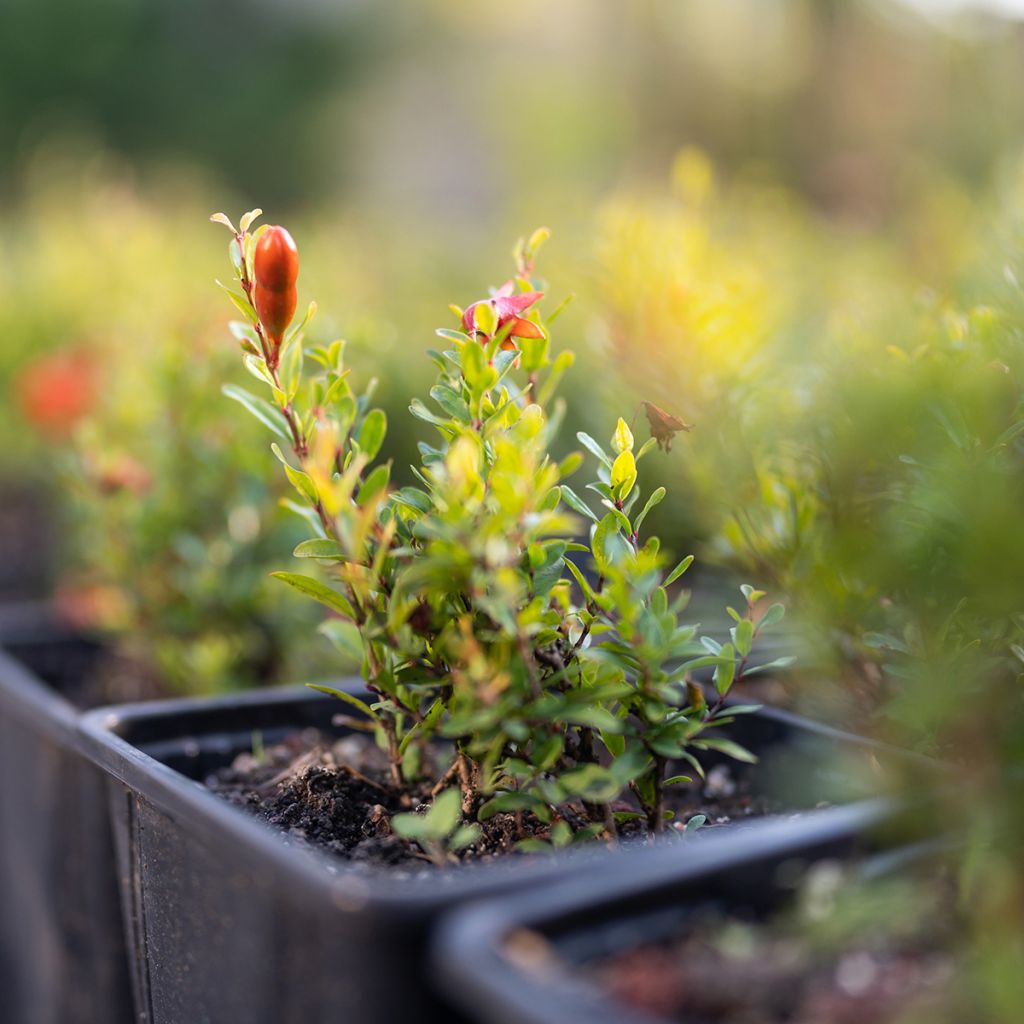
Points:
(188, 80)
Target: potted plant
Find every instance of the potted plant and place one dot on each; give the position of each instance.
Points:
(829, 926)
(526, 683)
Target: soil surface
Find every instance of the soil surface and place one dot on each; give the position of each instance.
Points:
(737, 973)
(337, 795)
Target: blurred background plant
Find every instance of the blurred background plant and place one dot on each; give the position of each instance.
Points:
(164, 525)
(796, 224)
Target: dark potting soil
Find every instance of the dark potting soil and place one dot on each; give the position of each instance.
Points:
(794, 972)
(337, 795)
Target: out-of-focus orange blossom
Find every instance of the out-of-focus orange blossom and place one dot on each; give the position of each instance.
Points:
(57, 390)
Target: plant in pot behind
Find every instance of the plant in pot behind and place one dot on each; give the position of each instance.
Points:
(492, 608)
(164, 518)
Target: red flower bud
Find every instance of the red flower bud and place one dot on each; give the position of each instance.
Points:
(57, 390)
(275, 269)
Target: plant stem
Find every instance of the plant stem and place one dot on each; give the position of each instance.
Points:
(449, 773)
(465, 782)
(655, 815)
(597, 812)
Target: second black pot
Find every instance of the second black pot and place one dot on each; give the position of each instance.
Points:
(62, 950)
(525, 961)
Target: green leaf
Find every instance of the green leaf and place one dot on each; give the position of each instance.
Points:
(371, 433)
(678, 570)
(267, 414)
(222, 218)
(450, 335)
(725, 671)
(605, 550)
(622, 439)
(563, 361)
(425, 726)
(240, 303)
(1010, 434)
(588, 592)
(505, 802)
(656, 498)
(623, 474)
(345, 636)
(727, 747)
(412, 827)
(774, 614)
(591, 782)
(484, 318)
(537, 239)
(463, 837)
(247, 219)
(743, 636)
(630, 764)
(595, 717)
(534, 353)
(741, 709)
(257, 366)
(646, 447)
(318, 547)
(316, 590)
(421, 412)
(696, 822)
(473, 361)
(302, 482)
(616, 744)
(451, 402)
(445, 813)
(769, 666)
(623, 521)
(548, 751)
(594, 448)
(376, 482)
(348, 698)
(570, 464)
(576, 503)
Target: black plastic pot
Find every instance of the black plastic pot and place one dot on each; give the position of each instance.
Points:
(62, 950)
(230, 922)
(27, 549)
(478, 952)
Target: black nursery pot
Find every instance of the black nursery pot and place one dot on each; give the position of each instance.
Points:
(229, 921)
(27, 548)
(62, 950)
(612, 910)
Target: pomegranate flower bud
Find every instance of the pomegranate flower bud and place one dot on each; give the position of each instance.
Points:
(275, 271)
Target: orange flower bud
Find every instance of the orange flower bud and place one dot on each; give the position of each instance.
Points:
(57, 390)
(275, 270)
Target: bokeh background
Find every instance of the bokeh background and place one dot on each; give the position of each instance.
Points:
(796, 224)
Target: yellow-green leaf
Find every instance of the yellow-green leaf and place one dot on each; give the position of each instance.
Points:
(622, 439)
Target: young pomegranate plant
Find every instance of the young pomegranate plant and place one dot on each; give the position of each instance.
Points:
(523, 647)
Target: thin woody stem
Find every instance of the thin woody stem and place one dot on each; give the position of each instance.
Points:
(300, 447)
(655, 817)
